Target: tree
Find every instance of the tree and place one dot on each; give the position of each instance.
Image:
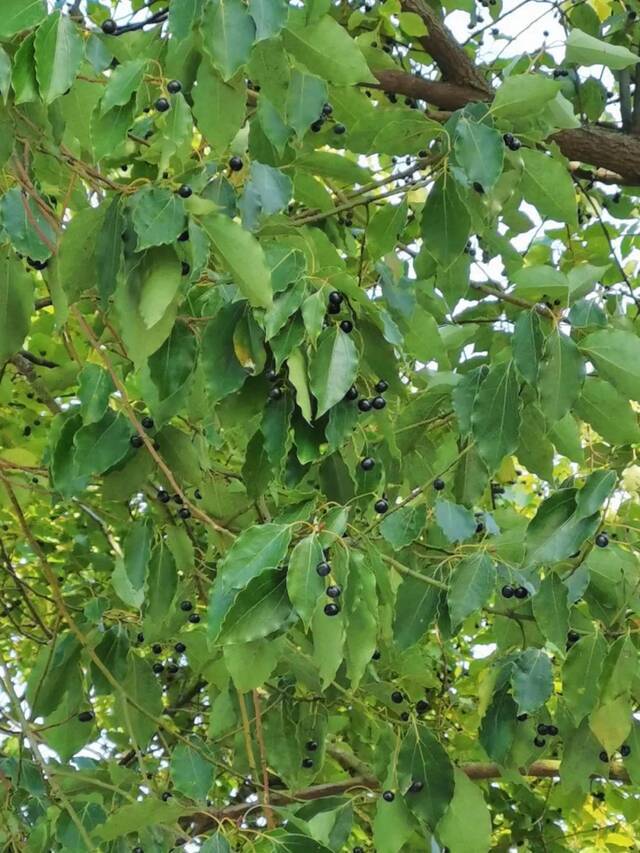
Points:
(320, 384)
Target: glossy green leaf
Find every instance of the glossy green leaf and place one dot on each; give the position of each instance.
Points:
(192, 770)
(584, 49)
(445, 223)
(472, 582)
(531, 680)
(229, 32)
(333, 368)
(615, 354)
(479, 151)
(546, 184)
(495, 420)
(243, 257)
(58, 53)
(561, 376)
(258, 549)
(304, 585)
(551, 610)
(423, 759)
(16, 306)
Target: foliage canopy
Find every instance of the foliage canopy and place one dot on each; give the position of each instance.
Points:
(320, 384)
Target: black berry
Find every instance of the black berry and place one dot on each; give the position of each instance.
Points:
(478, 187)
(421, 706)
(275, 393)
(573, 636)
(416, 786)
(507, 591)
(186, 606)
(381, 386)
(397, 697)
(307, 763)
(271, 375)
(335, 297)
(346, 326)
(388, 796)
(163, 496)
(625, 750)
(158, 668)
(378, 402)
(405, 716)
(352, 393)
(183, 237)
(185, 268)
(156, 648)
(316, 126)
(542, 729)
(364, 405)
(136, 441)
(162, 105)
(311, 745)
(197, 495)
(235, 164)
(140, 637)
(174, 86)
(334, 591)
(331, 609)
(184, 512)
(539, 741)
(522, 717)
(339, 129)
(109, 27)
(147, 422)
(185, 191)
(327, 110)
(602, 540)
(166, 795)
(381, 505)
(85, 716)
(376, 655)
(521, 592)
(604, 757)
(172, 668)
(194, 618)
(180, 648)
(333, 308)
(438, 484)
(508, 139)
(323, 569)
(367, 463)
(552, 730)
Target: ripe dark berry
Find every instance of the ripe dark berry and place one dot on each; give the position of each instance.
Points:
(358, 850)
(331, 609)
(522, 717)
(346, 326)
(327, 110)
(542, 729)
(271, 375)
(163, 496)
(416, 787)
(140, 637)
(136, 441)
(381, 386)
(397, 697)
(235, 164)
(352, 393)
(185, 191)
(147, 422)
(602, 540)
(573, 636)
(381, 505)
(156, 648)
(334, 591)
(604, 757)
(625, 750)
(388, 796)
(109, 27)
(552, 730)
(180, 648)
(183, 237)
(185, 268)
(186, 606)
(311, 745)
(521, 592)
(323, 569)
(539, 741)
(339, 129)
(421, 706)
(438, 484)
(158, 668)
(184, 512)
(515, 144)
(316, 126)
(332, 308)
(85, 716)
(172, 668)
(197, 495)
(335, 297)
(166, 795)
(162, 105)
(378, 403)
(367, 463)
(174, 86)
(307, 763)
(275, 393)
(508, 138)
(376, 655)
(507, 591)
(478, 187)
(177, 499)
(194, 618)
(405, 716)
(364, 405)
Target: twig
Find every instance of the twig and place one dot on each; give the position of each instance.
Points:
(263, 760)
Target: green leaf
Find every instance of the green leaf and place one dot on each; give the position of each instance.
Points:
(527, 343)
(137, 552)
(557, 530)
(20, 15)
(561, 376)
(244, 258)
(581, 675)
(304, 585)
(18, 214)
(498, 727)
(416, 608)
(228, 32)
(269, 16)
(191, 772)
(77, 247)
(306, 96)
(361, 612)
(123, 83)
(333, 368)
(616, 356)
(108, 250)
(401, 527)
(423, 759)
(172, 365)
(161, 276)
(58, 53)
(162, 585)
(223, 372)
(607, 411)
(297, 365)
(136, 817)
(140, 701)
(531, 680)
(55, 666)
(256, 550)
(268, 191)
(546, 184)
(611, 723)
(523, 95)
(385, 226)
(541, 283)
(158, 216)
(251, 664)
(100, 445)
(445, 223)
(260, 609)
(95, 388)
(218, 106)
(327, 50)
(467, 809)
(456, 522)
(583, 49)
(551, 609)
(495, 419)
(479, 151)
(16, 306)
(472, 582)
